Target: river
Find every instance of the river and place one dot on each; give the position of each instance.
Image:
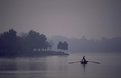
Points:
(59, 67)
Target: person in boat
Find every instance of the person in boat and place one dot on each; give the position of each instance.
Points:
(83, 59)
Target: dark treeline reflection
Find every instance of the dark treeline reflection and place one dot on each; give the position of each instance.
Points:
(12, 45)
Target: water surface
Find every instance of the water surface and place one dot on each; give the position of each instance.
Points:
(59, 67)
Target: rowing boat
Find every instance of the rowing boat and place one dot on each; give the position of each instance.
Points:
(83, 62)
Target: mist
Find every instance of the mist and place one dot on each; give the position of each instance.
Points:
(70, 18)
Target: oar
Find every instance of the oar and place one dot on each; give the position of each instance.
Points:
(87, 61)
(74, 62)
(94, 62)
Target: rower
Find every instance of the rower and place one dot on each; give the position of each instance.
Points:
(83, 60)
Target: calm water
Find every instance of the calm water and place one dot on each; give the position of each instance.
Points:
(58, 67)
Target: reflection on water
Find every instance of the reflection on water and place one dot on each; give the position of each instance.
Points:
(22, 67)
(58, 67)
(84, 66)
(22, 64)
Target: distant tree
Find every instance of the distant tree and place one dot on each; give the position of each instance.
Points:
(59, 46)
(30, 41)
(65, 45)
(33, 40)
(43, 42)
(9, 43)
(50, 44)
(62, 45)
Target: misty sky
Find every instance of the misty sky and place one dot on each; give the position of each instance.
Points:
(70, 18)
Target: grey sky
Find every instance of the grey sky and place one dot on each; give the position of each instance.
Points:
(70, 18)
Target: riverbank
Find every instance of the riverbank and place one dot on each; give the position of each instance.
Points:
(31, 54)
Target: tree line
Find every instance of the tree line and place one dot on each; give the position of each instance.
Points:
(11, 43)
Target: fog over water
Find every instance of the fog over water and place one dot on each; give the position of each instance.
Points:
(59, 67)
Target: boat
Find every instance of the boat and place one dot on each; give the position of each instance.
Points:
(83, 62)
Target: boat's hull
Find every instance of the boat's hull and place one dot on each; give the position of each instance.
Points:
(83, 62)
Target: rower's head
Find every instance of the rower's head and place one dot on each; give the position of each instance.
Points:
(84, 56)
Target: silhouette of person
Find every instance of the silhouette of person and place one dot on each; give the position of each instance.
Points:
(84, 60)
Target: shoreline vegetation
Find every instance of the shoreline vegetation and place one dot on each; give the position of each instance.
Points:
(31, 44)
(33, 54)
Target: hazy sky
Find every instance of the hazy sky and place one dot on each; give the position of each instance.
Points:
(70, 18)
